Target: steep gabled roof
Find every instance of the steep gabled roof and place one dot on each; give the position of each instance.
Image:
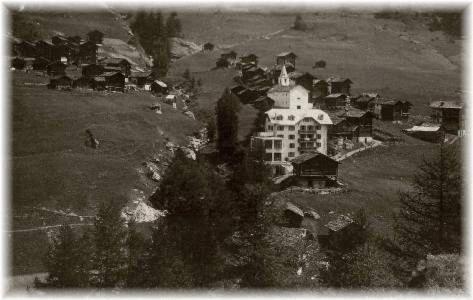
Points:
(308, 156)
(446, 104)
(287, 53)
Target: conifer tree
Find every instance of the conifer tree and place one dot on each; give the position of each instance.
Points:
(227, 110)
(430, 217)
(63, 261)
(109, 258)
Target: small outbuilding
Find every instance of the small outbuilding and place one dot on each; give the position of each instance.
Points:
(314, 169)
(159, 87)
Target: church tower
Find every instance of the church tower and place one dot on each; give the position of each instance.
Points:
(283, 77)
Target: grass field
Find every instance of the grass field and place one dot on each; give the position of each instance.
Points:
(52, 167)
(373, 180)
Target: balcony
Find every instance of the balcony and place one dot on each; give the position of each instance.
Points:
(309, 148)
(311, 140)
(306, 131)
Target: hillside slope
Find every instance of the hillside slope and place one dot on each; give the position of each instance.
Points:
(393, 58)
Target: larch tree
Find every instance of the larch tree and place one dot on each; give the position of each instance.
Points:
(430, 217)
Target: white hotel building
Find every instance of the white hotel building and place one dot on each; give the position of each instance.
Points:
(293, 126)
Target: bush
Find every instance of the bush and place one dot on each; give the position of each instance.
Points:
(320, 64)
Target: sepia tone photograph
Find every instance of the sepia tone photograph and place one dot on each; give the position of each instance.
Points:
(235, 149)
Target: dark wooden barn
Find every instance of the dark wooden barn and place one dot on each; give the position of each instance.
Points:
(339, 85)
(392, 110)
(114, 81)
(208, 46)
(333, 101)
(314, 169)
(304, 79)
(319, 89)
(159, 87)
(286, 57)
(40, 64)
(59, 40)
(121, 63)
(222, 63)
(141, 78)
(249, 59)
(450, 115)
(92, 70)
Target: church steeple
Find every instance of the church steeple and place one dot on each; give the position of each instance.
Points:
(283, 77)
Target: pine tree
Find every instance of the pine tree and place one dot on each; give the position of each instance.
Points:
(227, 110)
(109, 259)
(64, 259)
(211, 130)
(137, 258)
(173, 25)
(430, 217)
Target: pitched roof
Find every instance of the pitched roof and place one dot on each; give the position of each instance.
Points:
(338, 79)
(284, 54)
(340, 222)
(424, 127)
(160, 83)
(353, 113)
(109, 74)
(391, 102)
(336, 95)
(446, 104)
(140, 74)
(319, 81)
(114, 60)
(318, 115)
(309, 155)
(292, 208)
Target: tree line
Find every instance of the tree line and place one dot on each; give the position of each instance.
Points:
(154, 33)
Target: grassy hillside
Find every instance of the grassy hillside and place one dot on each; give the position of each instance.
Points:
(53, 168)
(395, 58)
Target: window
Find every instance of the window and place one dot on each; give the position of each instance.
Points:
(292, 137)
(292, 128)
(318, 136)
(307, 119)
(280, 136)
(298, 107)
(268, 144)
(277, 144)
(302, 127)
(280, 128)
(318, 145)
(291, 154)
(310, 128)
(318, 127)
(270, 127)
(277, 156)
(279, 117)
(292, 145)
(291, 118)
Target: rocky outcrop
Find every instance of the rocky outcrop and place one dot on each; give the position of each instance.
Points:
(181, 48)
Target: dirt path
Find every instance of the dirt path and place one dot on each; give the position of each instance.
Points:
(346, 155)
(46, 227)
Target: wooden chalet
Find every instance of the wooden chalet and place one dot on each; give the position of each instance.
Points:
(56, 68)
(450, 115)
(159, 87)
(95, 36)
(286, 57)
(351, 124)
(99, 83)
(25, 49)
(391, 110)
(252, 72)
(75, 39)
(114, 81)
(62, 82)
(121, 63)
(263, 103)
(434, 133)
(41, 64)
(92, 70)
(314, 169)
(249, 59)
(331, 101)
(44, 49)
(18, 63)
(339, 85)
(140, 78)
(87, 53)
(59, 40)
(365, 101)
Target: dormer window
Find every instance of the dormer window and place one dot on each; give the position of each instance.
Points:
(321, 117)
(291, 118)
(279, 117)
